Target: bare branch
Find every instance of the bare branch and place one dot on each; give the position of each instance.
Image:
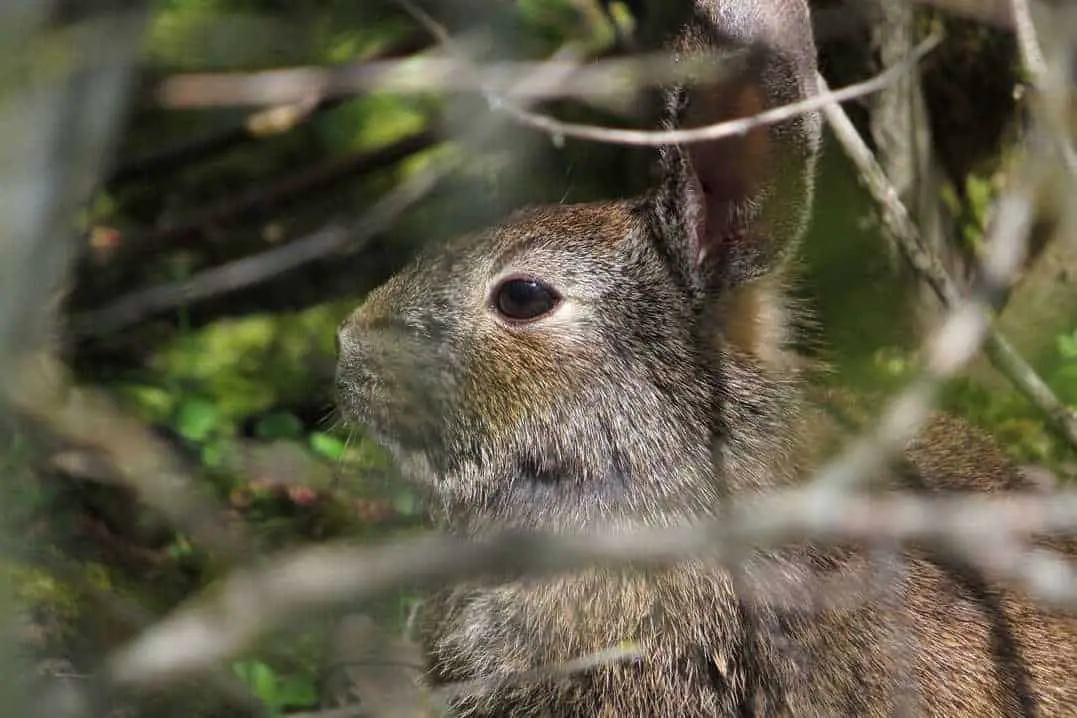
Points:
(995, 12)
(252, 270)
(224, 621)
(426, 73)
(257, 126)
(1015, 213)
(275, 196)
(559, 129)
(83, 416)
(248, 271)
(1031, 52)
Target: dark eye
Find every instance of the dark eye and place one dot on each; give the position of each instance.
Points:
(525, 299)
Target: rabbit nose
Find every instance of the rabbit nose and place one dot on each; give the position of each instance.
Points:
(347, 340)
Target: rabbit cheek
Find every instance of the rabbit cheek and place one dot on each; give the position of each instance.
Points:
(532, 377)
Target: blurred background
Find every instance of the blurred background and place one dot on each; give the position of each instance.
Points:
(213, 222)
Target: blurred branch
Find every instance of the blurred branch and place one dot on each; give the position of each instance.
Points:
(62, 90)
(594, 82)
(40, 390)
(907, 236)
(271, 121)
(228, 618)
(1031, 52)
(722, 130)
(609, 656)
(50, 161)
(225, 278)
(274, 197)
(1053, 86)
(995, 12)
(128, 616)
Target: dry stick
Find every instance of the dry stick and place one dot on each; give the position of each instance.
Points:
(995, 12)
(87, 417)
(131, 615)
(722, 130)
(423, 74)
(1054, 102)
(336, 238)
(904, 231)
(258, 126)
(609, 656)
(229, 617)
(275, 195)
(1031, 52)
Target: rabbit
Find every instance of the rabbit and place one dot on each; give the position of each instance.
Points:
(631, 363)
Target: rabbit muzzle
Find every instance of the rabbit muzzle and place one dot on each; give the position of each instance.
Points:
(387, 382)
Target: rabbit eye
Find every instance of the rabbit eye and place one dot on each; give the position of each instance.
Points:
(525, 299)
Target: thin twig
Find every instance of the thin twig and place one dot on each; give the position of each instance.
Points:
(420, 75)
(40, 389)
(231, 276)
(722, 130)
(274, 196)
(907, 236)
(257, 126)
(995, 12)
(1031, 53)
(609, 656)
(1053, 88)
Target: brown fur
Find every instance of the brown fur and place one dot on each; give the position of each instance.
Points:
(660, 388)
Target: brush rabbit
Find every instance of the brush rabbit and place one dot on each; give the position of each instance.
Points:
(629, 363)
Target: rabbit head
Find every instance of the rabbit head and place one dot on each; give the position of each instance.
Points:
(618, 361)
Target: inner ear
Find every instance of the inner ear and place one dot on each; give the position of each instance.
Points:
(723, 178)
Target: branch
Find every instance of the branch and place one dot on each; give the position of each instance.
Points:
(423, 74)
(272, 198)
(258, 126)
(142, 304)
(722, 130)
(40, 390)
(1053, 86)
(907, 236)
(995, 12)
(227, 619)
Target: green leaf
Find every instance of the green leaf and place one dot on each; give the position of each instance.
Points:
(296, 691)
(196, 419)
(1067, 345)
(261, 679)
(216, 453)
(279, 425)
(327, 445)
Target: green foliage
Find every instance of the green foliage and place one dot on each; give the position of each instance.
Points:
(327, 446)
(196, 419)
(279, 425)
(1064, 376)
(1021, 427)
(246, 366)
(277, 691)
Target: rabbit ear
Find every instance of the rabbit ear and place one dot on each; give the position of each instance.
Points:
(729, 209)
